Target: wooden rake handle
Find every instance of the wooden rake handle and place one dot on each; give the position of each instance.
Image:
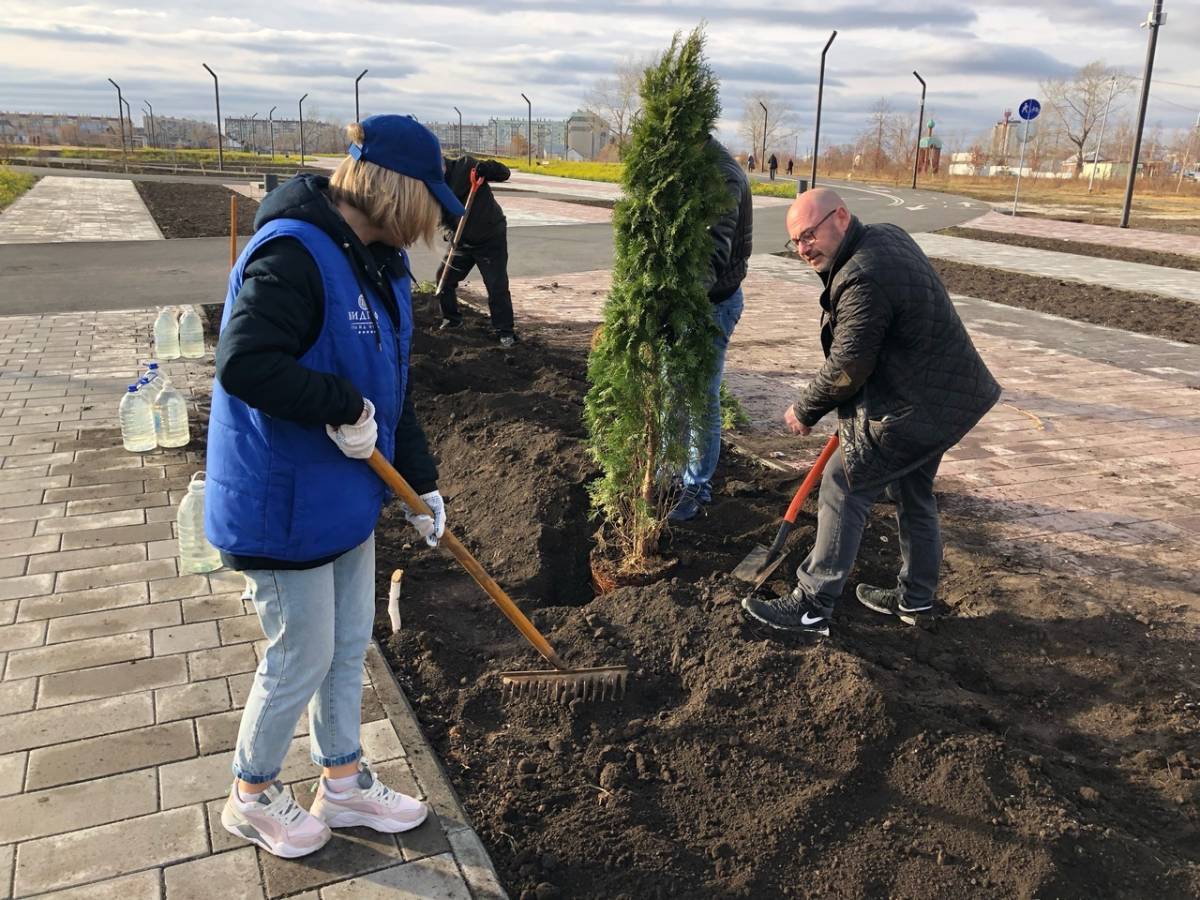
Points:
(413, 501)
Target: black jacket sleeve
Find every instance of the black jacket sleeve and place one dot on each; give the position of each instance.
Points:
(863, 320)
(412, 458)
(276, 318)
(493, 170)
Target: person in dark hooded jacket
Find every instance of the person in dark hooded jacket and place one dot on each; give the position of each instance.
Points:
(312, 377)
(484, 244)
(907, 385)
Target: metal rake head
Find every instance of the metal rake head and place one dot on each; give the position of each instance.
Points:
(565, 685)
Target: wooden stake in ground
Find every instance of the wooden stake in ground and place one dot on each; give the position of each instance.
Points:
(232, 230)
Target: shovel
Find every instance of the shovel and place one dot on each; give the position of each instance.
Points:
(760, 562)
(476, 181)
(599, 683)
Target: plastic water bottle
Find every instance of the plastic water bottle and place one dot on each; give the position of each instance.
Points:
(150, 390)
(166, 334)
(191, 334)
(153, 372)
(196, 554)
(171, 417)
(137, 422)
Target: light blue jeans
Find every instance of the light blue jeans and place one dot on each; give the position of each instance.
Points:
(705, 448)
(318, 622)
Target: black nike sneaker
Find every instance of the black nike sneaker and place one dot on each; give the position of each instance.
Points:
(791, 612)
(889, 602)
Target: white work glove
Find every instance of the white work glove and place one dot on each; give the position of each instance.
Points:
(430, 528)
(357, 440)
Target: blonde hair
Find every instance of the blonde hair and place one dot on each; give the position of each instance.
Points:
(402, 207)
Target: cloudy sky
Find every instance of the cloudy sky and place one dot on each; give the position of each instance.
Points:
(427, 57)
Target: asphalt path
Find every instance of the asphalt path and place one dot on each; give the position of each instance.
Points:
(66, 277)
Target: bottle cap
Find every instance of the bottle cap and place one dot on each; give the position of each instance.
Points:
(132, 388)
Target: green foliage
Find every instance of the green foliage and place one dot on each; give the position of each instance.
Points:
(733, 416)
(774, 189)
(650, 368)
(13, 185)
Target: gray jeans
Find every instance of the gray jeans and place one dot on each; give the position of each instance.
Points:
(841, 517)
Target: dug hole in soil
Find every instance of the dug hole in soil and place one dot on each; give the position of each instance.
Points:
(1040, 741)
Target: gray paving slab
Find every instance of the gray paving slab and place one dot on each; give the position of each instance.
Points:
(61, 209)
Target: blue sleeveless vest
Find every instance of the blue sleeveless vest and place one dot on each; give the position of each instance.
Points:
(282, 490)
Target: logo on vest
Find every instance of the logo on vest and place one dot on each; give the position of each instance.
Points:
(360, 319)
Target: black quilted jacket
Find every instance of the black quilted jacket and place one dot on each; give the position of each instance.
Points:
(733, 233)
(900, 369)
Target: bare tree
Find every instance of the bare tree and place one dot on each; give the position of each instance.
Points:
(1077, 104)
(780, 122)
(615, 100)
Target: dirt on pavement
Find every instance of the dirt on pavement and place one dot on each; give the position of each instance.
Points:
(184, 210)
(1079, 248)
(1039, 740)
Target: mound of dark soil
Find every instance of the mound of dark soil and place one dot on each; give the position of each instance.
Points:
(184, 210)
(1040, 741)
(1079, 248)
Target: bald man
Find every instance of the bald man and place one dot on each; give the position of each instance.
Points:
(907, 385)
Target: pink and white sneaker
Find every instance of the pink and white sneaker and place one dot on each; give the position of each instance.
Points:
(370, 803)
(275, 822)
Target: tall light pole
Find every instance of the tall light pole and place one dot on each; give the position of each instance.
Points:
(220, 143)
(764, 143)
(121, 122)
(153, 130)
(820, 97)
(129, 119)
(1186, 154)
(271, 125)
(356, 81)
(920, 127)
(253, 137)
(1155, 20)
(302, 129)
(528, 133)
(1100, 140)
(460, 143)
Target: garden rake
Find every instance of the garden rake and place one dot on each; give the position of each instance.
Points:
(599, 683)
(476, 181)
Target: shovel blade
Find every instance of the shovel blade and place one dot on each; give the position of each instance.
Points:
(757, 566)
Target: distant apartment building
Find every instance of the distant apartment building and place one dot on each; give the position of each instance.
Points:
(259, 135)
(587, 135)
(40, 129)
(504, 137)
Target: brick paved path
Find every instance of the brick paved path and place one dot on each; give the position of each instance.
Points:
(1114, 273)
(1106, 235)
(123, 680)
(60, 208)
(1091, 461)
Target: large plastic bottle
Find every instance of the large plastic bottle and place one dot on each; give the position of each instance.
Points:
(137, 422)
(150, 391)
(166, 334)
(191, 334)
(196, 554)
(171, 417)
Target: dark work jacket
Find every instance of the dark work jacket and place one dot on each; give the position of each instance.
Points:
(486, 220)
(733, 233)
(900, 368)
(277, 317)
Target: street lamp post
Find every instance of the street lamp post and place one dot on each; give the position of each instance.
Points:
(920, 125)
(460, 143)
(220, 143)
(1153, 23)
(129, 119)
(356, 81)
(153, 129)
(120, 121)
(528, 133)
(764, 143)
(253, 136)
(302, 129)
(820, 97)
(271, 125)
(1103, 122)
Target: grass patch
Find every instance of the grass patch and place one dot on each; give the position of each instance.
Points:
(13, 185)
(150, 155)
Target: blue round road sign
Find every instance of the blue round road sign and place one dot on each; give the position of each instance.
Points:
(1029, 109)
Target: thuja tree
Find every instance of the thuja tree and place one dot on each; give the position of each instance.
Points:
(650, 367)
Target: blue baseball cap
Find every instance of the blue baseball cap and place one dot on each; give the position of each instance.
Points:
(404, 145)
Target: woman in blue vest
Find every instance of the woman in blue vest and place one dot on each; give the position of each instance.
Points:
(312, 372)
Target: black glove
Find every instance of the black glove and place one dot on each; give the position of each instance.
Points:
(489, 170)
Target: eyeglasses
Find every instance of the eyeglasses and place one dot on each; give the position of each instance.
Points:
(807, 236)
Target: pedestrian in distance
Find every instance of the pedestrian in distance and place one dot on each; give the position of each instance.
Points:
(750, 162)
(789, 165)
(484, 244)
(732, 239)
(772, 165)
(907, 385)
(312, 376)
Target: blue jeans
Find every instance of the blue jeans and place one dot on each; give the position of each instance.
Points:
(318, 622)
(706, 436)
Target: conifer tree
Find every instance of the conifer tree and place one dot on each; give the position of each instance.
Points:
(650, 368)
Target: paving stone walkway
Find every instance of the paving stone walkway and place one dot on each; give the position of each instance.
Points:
(1180, 283)
(60, 208)
(1091, 461)
(1106, 235)
(123, 679)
